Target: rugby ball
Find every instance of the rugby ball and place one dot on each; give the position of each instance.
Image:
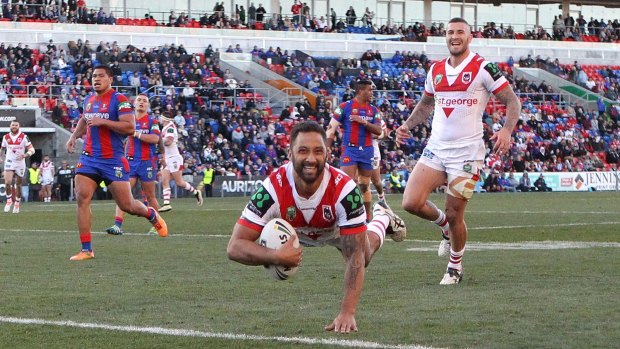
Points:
(275, 234)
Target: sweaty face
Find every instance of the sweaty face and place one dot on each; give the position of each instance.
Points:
(309, 155)
(458, 37)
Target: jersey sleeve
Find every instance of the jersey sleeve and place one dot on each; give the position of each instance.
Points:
(429, 88)
(168, 132)
(154, 127)
(26, 141)
(492, 77)
(124, 107)
(261, 209)
(338, 113)
(350, 211)
(4, 142)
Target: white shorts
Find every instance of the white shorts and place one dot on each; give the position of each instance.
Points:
(174, 163)
(376, 158)
(47, 180)
(463, 173)
(19, 166)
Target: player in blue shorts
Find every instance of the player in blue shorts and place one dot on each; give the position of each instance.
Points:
(141, 151)
(359, 120)
(106, 121)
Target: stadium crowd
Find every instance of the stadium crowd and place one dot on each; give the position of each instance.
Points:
(238, 135)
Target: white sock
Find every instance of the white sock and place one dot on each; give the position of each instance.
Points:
(442, 222)
(455, 260)
(378, 225)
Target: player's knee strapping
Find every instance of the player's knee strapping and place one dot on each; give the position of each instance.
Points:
(461, 187)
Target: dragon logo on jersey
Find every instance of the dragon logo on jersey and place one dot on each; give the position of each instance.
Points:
(466, 77)
(352, 204)
(291, 213)
(438, 78)
(260, 202)
(327, 213)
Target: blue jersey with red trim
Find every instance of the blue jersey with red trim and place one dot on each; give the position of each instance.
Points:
(355, 134)
(138, 149)
(102, 142)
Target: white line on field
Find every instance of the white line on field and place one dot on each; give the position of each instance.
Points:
(219, 335)
(525, 245)
(224, 235)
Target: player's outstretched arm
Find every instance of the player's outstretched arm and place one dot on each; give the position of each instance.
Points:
(353, 252)
(242, 248)
(502, 137)
(421, 112)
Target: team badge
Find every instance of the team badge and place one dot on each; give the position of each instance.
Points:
(467, 168)
(438, 78)
(118, 173)
(89, 106)
(466, 78)
(327, 213)
(291, 213)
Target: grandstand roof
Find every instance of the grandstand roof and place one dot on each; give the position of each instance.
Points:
(606, 3)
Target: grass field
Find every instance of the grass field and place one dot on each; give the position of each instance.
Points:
(540, 271)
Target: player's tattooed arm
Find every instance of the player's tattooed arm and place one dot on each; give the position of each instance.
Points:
(513, 106)
(421, 112)
(353, 252)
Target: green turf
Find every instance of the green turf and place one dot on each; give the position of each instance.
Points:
(553, 298)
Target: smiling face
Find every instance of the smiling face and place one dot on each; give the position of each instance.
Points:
(458, 38)
(308, 155)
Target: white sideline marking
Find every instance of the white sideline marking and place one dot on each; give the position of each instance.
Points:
(525, 245)
(202, 334)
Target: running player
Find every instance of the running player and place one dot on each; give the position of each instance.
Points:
(359, 120)
(174, 164)
(375, 178)
(324, 206)
(18, 148)
(455, 93)
(141, 151)
(106, 121)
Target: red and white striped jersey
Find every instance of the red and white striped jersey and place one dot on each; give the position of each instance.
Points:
(336, 204)
(15, 145)
(461, 94)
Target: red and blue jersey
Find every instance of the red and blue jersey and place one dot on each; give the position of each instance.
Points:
(137, 149)
(101, 142)
(355, 134)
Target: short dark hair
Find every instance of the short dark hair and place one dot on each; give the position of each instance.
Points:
(306, 127)
(459, 20)
(107, 69)
(361, 83)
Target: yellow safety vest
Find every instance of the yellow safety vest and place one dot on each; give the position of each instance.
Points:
(395, 180)
(208, 176)
(34, 175)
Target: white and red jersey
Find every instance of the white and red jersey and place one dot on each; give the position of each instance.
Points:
(461, 94)
(170, 132)
(16, 146)
(335, 209)
(47, 169)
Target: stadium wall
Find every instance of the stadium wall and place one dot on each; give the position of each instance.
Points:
(317, 44)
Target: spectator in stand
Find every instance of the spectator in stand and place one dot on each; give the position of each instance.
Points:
(491, 183)
(351, 16)
(260, 13)
(525, 183)
(541, 185)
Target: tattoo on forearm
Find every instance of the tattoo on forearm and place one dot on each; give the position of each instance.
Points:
(353, 252)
